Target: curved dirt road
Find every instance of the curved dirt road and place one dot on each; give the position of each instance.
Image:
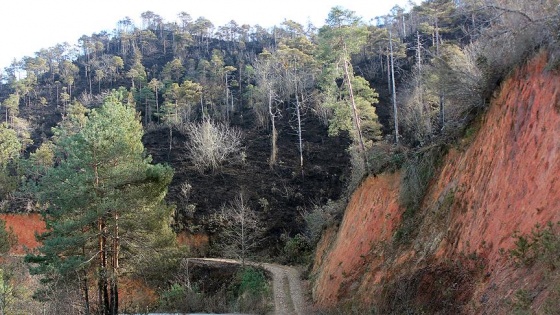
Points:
(288, 295)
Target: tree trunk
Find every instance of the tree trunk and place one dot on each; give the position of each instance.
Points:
(88, 76)
(202, 107)
(437, 36)
(418, 52)
(146, 112)
(240, 91)
(232, 102)
(355, 113)
(442, 110)
(170, 141)
(393, 92)
(85, 288)
(102, 293)
(389, 72)
(102, 281)
(274, 152)
(441, 93)
(299, 133)
(242, 235)
(227, 98)
(157, 103)
(115, 275)
(403, 26)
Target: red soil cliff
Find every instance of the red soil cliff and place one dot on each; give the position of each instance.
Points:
(24, 227)
(506, 181)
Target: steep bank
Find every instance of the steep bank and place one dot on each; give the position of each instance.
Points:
(505, 181)
(24, 227)
(370, 219)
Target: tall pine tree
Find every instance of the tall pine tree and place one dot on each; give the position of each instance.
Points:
(349, 96)
(104, 205)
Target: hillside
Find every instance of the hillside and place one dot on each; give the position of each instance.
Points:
(409, 163)
(497, 185)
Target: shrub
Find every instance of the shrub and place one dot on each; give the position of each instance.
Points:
(211, 144)
(252, 291)
(521, 303)
(297, 249)
(319, 217)
(542, 245)
(418, 170)
(252, 281)
(358, 169)
(173, 298)
(518, 30)
(385, 157)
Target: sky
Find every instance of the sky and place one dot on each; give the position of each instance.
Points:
(30, 25)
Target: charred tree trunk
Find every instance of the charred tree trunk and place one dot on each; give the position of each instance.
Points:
(274, 138)
(299, 131)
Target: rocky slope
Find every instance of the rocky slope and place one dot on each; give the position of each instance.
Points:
(501, 182)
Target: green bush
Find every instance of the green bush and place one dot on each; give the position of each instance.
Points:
(251, 292)
(385, 157)
(521, 303)
(7, 238)
(8, 184)
(173, 298)
(418, 171)
(542, 245)
(252, 281)
(297, 249)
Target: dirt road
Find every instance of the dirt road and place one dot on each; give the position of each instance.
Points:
(288, 294)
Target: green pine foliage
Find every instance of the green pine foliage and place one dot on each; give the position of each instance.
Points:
(349, 97)
(104, 200)
(10, 146)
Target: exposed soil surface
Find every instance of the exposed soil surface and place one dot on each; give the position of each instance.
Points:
(24, 227)
(502, 181)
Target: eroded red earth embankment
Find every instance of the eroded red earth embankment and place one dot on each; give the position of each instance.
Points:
(24, 227)
(370, 220)
(507, 180)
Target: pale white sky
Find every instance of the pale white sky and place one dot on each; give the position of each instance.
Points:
(29, 25)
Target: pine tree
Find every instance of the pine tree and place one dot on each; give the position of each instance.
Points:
(103, 200)
(343, 35)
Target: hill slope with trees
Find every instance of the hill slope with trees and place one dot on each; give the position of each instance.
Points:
(280, 124)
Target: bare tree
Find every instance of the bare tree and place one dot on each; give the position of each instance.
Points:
(268, 80)
(242, 232)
